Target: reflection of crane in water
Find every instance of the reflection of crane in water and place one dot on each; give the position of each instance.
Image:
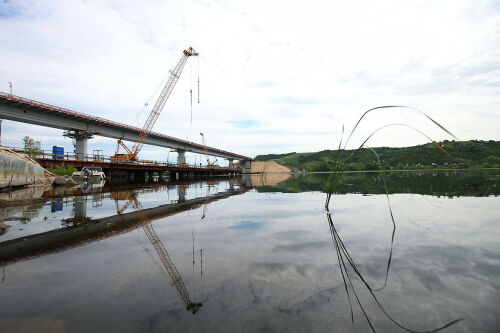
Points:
(205, 205)
(163, 254)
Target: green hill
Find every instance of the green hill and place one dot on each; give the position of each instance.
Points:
(462, 154)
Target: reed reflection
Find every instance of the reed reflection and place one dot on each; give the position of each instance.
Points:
(349, 270)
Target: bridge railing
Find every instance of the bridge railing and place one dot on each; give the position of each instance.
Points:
(72, 157)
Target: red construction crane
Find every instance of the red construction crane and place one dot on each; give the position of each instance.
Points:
(175, 73)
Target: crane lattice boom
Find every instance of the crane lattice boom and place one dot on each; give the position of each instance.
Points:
(158, 107)
(176, 278)
(206, 151)
(205, 147)
(170, 267)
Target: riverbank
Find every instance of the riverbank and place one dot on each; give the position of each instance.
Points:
(459, 155)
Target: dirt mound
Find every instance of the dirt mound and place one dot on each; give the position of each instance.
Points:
(269, 179)
(271, 166)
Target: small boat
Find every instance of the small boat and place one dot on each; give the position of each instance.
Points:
(92, 174)
(77, 176)
(93, 187)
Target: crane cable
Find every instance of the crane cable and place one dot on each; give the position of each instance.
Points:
(201, 273)
(191, 88)
(194, 281)
(155, 92)
(148, 101)
(198, 79)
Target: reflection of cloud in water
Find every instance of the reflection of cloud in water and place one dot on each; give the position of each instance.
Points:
(311, 303)
(449, 261)
(248, 225)
(277, 270)
(312, 246)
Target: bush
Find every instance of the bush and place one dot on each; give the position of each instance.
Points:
(63, 171)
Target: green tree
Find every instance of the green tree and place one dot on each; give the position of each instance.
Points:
(370, 166)
(32, 147)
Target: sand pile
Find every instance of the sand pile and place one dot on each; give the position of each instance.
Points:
(271, 166)
(269, 179)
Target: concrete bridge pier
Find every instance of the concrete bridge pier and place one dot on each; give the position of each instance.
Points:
(230, 163)
(181, 193)
(81, 148)
(80, 138)
(247, 180)
(181, 157)
(246, 166)
(80, 207)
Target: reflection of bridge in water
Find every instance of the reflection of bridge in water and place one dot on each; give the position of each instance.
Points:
(86, 230)
(80, 229)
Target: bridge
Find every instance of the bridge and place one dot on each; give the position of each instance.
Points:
(82, 127)
(142, 170)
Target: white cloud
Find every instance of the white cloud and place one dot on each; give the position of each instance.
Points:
(295, 71)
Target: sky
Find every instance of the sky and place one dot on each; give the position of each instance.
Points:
(275, 76)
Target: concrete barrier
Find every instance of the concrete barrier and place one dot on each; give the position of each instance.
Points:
(16, 171)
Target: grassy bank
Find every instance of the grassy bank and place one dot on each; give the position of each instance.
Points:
(462, 154)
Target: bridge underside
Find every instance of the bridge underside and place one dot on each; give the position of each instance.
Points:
(82, 126)
(120, 172)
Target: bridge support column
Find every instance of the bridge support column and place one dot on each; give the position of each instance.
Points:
(80, 207)
(80, 138)
(181, 192)
(230, 162)
(181, 157)
(246, 166)
(81, 148)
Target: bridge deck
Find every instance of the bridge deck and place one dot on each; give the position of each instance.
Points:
(25, 110)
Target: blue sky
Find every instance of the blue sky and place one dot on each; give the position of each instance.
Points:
(271, 80)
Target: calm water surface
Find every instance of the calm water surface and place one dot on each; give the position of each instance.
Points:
(257, 255)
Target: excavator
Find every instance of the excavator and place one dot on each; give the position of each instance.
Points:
(172, 271)
(175, 73)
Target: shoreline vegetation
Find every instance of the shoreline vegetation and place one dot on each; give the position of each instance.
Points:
(470, 154)
(62, 170)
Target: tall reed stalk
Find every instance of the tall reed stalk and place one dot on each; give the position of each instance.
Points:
(345, 260)
(340, 165)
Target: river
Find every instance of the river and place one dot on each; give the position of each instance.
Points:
(257, 254)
